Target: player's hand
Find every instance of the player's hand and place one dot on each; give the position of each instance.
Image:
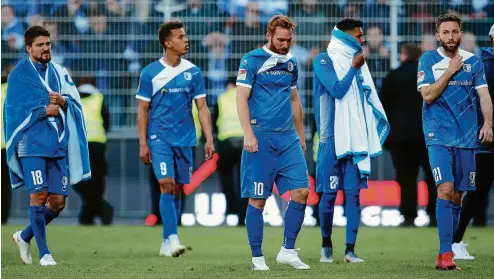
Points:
(250, 143)
(208, 149)
(303, 145)
(52, 110)
(358, 60)
(56, 99)
(455, 64)
(486, 133)
(145, 154)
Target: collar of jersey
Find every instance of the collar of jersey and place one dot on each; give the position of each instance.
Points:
(272, 53)
(166, 65)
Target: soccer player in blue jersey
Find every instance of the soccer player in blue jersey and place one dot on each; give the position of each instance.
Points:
(340, 79)
(167, 134)
(475, 203)
(450, 81)
(270, 113)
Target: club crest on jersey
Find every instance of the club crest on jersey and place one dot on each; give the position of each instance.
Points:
(472, 179)
(290, 66)
(467, 68)
(64, 183)
(187, 76)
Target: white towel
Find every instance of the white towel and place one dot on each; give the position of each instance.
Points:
(360, 121)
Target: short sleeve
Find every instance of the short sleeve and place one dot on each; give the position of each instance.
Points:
(479, 78)
(199, 89)
(293, 85)
(425, 77)
(246, 72)
(145, 88)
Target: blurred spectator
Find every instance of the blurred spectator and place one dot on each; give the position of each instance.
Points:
(217, 70)
(75, 21)
(311, 24)
(422, 16)
(200, 20)
(377, 53)
(92, 191)
(58, 50)
(377, 12)
(351, 11)
(403, 106)
(268, 8)
(469, 43)
(249, 34)
(12, 28)
(230, 145)
(428, 42)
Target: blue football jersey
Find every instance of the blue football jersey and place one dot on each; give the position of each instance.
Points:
(271, 77)
(451, 120)
(171, 91)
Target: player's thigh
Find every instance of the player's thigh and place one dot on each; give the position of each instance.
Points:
(162, 160)
(328, 171)
(352, 179)
(441, 161)
(464, 169)
(292, 169)
(58, 176)
(258, 171)
(183, 161)
(34, 171)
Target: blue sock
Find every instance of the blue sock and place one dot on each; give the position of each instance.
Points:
(168, 214)
(27, 234)
(255, 229)
(326, 213)
(37, 220)
(294, 217)
(352, 210)
(456, 217)
(178, 209)
(444, 216)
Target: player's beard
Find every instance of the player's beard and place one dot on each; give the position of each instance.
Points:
(275, 50)
(453, 48)
(45, 58)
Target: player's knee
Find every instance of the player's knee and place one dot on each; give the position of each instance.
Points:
(39, 198)
(257, 203)
(300, 195)
(167, 186)
(56, 203)
(445, 191)
(457, 196)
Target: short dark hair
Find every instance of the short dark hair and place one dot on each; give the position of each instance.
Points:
(348, 24)
(412, 50)
(34, 32)
(166, 28)
(447, 18)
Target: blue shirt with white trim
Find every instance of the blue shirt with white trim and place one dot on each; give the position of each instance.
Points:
(271, 77)
(451, 120)
(171, 91)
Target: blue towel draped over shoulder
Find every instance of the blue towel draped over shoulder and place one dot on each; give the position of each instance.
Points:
(26, 99)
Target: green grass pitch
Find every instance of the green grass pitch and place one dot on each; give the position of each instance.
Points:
(132, 252)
